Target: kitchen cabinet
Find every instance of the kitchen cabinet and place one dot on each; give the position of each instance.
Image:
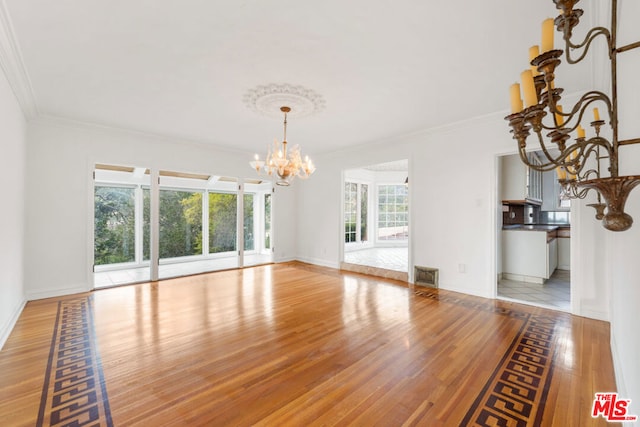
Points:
(529, 254)
(520, 183)
(564, 249)
(552, 256)
(551, 193)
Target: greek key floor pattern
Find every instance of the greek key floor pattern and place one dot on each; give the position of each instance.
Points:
(516, 393)
(74, 392)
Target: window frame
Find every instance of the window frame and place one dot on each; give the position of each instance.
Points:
(358, 213)
(391, 242)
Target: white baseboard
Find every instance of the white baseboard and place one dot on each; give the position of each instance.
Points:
(617, 369)
(320, 262)
(621, 385)
(466, 291)
(522, 278)
(50, 293)
(8, 327)
(594, 314)
(283, 259)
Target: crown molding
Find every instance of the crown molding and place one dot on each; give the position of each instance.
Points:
(44, 119)
(13, 66)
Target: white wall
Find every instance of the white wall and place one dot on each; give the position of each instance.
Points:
(12, 175)
(454, 210)
(60, 159)
(452, 192)
(624, 247)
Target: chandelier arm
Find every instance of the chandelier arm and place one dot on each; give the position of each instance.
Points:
(545, 167)
(588, 174)
(592, 145)
(586, 149)
(552, 161)
(591, 35)
(580, 107)
(582, 193)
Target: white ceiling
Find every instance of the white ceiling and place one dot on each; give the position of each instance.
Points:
(180, 68)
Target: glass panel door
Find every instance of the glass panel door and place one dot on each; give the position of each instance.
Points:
(180, 223)
(223, 228)
(198, 223)
(114, 224)
(257, 204)
(121, 225)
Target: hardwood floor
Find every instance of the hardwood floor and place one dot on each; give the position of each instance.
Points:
(294, 344)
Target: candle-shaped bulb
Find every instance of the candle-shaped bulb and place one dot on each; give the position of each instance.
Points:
(529, 89)
(534, 51)
(516, 101)
(596, 114)
(581, 132)
(547, 35)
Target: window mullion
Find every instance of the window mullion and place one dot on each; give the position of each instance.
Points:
(205, 223)
(139, 224)
(358, 212)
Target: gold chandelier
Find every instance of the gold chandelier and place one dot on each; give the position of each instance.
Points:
(580, 163)
(285, 164)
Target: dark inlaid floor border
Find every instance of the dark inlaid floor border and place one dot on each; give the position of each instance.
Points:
(516, 392)
(74, 391)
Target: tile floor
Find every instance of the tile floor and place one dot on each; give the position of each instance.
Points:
(387, 258)
(555, 293)
(165, 271)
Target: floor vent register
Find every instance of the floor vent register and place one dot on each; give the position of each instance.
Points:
(425, 276)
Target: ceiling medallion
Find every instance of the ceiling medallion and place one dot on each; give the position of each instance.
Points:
(267, 100)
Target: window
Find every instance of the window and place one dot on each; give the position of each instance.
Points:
(146, 223)
(350, 211)
(114, 234)
(180, 223)
(356, 210)
(393, 207)
(364, 204)
(248, 222)
(223, 216)
(267, 221)
(198, 221)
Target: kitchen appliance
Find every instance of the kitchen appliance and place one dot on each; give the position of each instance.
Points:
(530, 214)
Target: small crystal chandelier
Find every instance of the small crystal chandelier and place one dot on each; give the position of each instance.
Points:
(583, 164)
(286, 164)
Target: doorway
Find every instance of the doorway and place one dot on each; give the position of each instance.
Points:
(376, 220)
(534, 235)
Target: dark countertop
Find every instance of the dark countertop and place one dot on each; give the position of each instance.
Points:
(535, 227)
